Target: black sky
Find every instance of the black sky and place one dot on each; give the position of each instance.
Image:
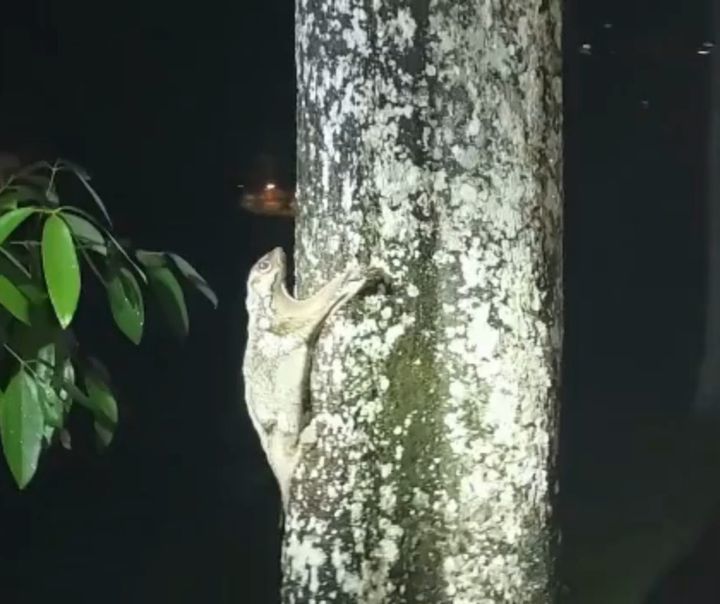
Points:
(170, 106)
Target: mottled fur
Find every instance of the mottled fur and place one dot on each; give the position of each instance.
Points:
(281, 335)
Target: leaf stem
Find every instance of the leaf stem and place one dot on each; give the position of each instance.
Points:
(53, 170)
(23, 362)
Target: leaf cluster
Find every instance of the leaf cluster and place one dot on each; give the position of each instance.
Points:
(44, 245)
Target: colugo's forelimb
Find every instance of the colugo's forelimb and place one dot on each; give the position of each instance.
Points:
(281, 335)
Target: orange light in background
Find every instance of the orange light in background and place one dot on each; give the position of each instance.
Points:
(270, 200)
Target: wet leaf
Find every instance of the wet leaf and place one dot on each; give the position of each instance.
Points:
(21, 427)
(53, 407)
(126, 304)
(104, 409)
(11, 220)
(171, 299)
(119, 247)
(61, 268)
(86, 233)
(14, 300)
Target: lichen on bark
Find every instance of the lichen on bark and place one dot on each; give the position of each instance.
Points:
(429, 144)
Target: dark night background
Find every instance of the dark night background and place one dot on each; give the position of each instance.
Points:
(170, 107)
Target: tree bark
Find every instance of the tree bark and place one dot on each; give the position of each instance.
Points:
(429, 143)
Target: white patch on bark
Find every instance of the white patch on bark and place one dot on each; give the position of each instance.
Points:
(305, 560)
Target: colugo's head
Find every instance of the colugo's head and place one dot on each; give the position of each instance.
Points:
(267, 274)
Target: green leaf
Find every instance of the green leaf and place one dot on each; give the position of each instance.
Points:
(104, 408)
(21, 427)
(53, 412)
(188, 271)
(61, 268)
(126, 304)
(116, 245)
(14, 300)
(52, 404)
(86, 232)
(97, 368)
(81, 212)
(38, 181)
(11, 220)
(171, 298)
(68, 375)
(32, 292)
(52, 369)
(9, 200)
(151, 259)
(71, 390)
(100, 402)
(28, 193)
(43, 330)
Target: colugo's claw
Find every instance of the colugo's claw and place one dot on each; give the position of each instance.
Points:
(358, 278)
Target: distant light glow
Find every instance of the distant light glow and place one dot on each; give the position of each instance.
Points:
(269, 199)
(705, 48)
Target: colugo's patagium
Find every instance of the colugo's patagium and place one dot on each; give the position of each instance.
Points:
(282, 331)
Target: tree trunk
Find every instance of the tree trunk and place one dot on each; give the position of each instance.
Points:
(429, 143)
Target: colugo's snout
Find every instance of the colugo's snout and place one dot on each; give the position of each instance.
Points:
(278, 255)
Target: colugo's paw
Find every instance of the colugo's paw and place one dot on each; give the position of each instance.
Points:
(359, 277)
(308, 437)
(375, 274)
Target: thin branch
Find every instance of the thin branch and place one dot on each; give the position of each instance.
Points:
(98, 274)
